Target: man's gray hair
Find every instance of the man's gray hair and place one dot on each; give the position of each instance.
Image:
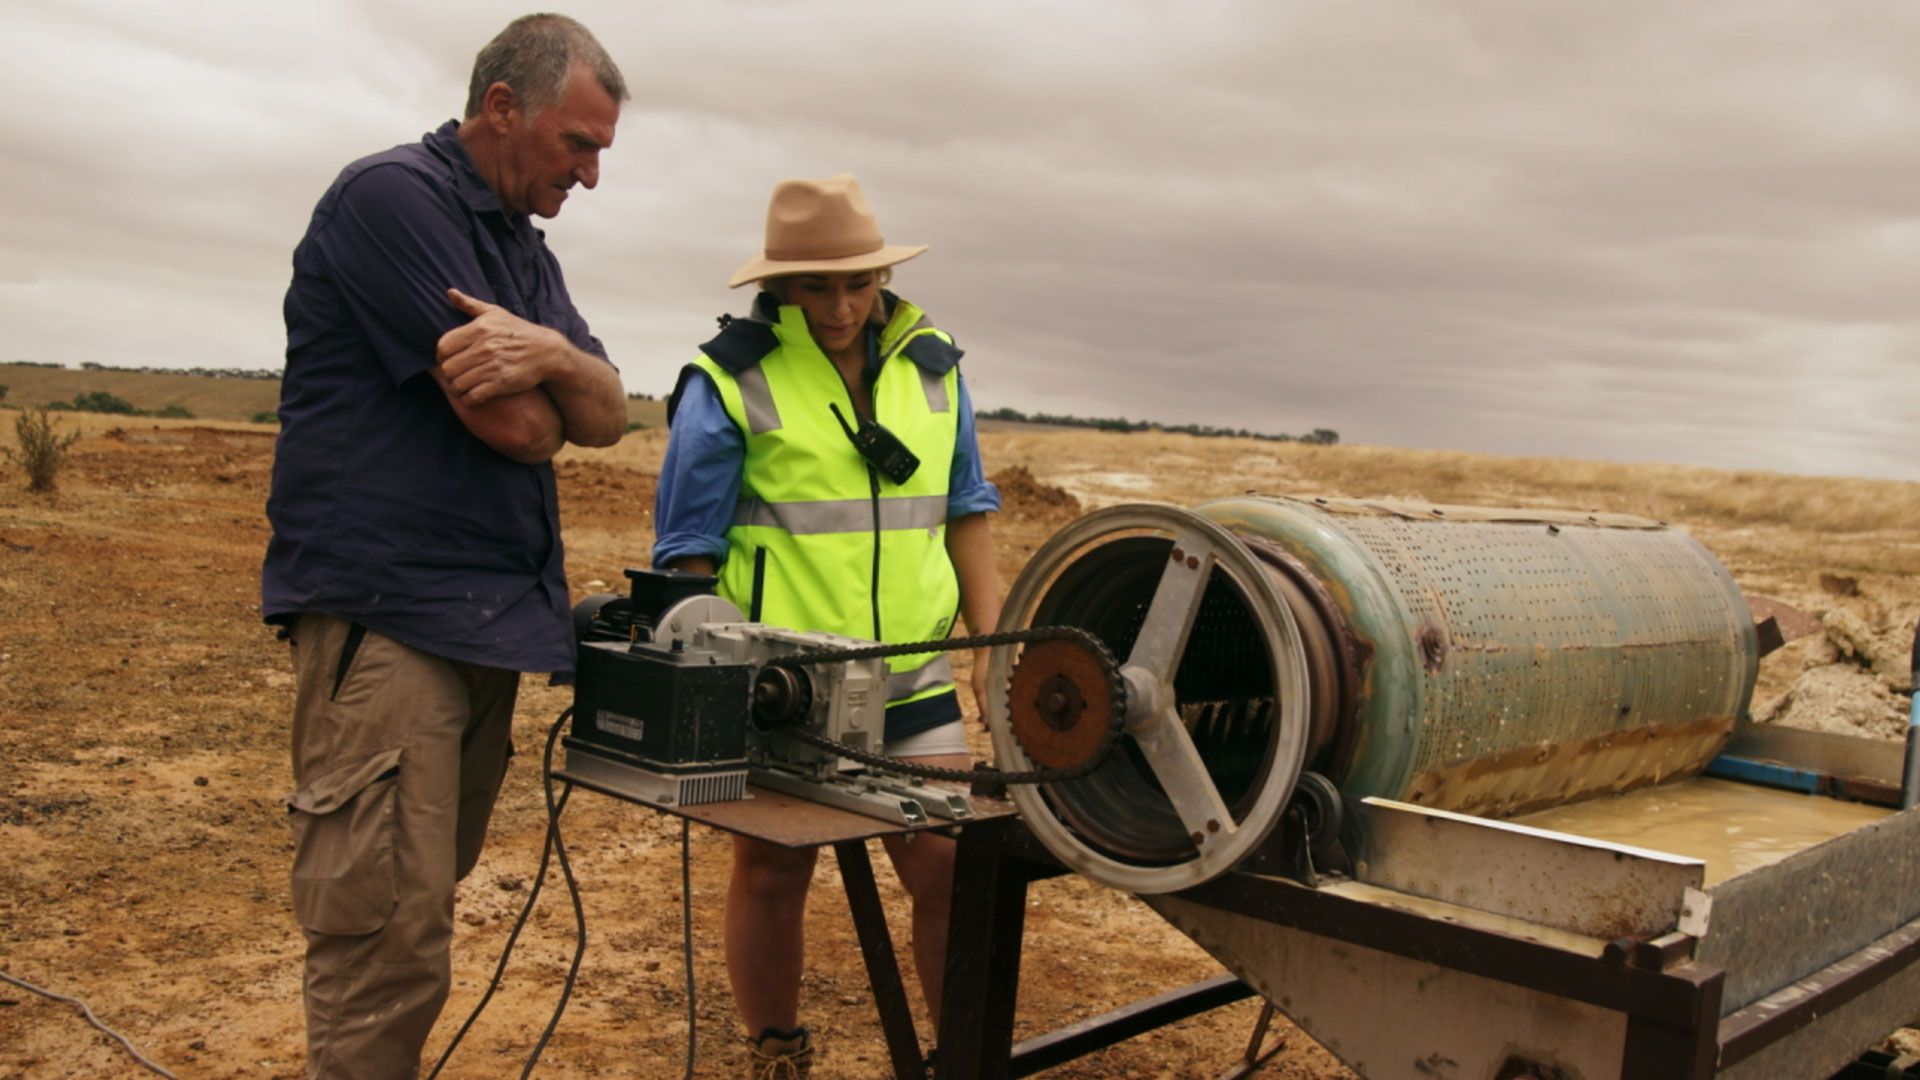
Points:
(535, 55)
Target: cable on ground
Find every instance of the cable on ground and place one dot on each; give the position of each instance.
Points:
(573, 891)
(91, 1019)
(686, 933)
(519, 924)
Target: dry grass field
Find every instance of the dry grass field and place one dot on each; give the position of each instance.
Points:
(143, 854)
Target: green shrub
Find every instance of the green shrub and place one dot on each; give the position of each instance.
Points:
(175, 411)
(101, 401)
(3, 391)
(42, 448)
(266, 418)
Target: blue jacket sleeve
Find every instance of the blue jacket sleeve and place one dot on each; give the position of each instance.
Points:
(699, 478)
(968, 490)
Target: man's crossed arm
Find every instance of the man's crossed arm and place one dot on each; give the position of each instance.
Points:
(523, 388)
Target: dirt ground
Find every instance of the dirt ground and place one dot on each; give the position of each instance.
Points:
(143, 850)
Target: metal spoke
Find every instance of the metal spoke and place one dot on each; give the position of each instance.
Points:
(1176, 601)
(1170, 752)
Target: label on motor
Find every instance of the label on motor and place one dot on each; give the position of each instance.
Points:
(614, 723)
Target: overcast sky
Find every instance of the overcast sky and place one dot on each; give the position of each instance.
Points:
(1635, 231)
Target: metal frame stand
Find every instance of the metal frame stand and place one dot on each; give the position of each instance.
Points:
(1671, 1005)
(791, 822)
(883, 967)
(995, 863)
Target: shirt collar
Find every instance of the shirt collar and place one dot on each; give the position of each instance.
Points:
(768, 309)
(445, 143)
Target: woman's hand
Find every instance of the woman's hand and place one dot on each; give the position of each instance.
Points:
(979, 683)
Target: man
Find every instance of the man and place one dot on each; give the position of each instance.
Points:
(434, 364)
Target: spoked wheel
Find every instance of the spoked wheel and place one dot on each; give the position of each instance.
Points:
(1216, 697)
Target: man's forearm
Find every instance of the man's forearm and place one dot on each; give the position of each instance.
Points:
(589, 395)
(499, 354)
(525, 426)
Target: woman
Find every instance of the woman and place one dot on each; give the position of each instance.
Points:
(764, 486)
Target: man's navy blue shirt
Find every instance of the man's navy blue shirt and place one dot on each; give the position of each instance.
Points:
(385, 509)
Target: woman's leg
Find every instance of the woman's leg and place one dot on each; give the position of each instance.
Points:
(925, 865)
(765, 932)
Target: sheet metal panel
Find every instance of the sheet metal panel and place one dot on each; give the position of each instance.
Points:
(1567, 882)
(1393, 1018)
(1776, 925)
(1840, 1032)
(1878, 760)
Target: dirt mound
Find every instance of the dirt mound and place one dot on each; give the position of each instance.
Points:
(125, 459)
(1882, 646)
(1840, 698)
(1857, 676)
(1024, 496)
(194, 436)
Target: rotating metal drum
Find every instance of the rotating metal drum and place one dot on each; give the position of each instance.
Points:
(1467, 659)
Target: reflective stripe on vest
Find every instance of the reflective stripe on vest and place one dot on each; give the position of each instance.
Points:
(843, 515)
(936, 674)
(810, 516)
(762, 415)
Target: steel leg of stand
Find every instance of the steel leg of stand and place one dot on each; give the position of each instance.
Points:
(983, 965)
(1255, 1056)
(883, 969)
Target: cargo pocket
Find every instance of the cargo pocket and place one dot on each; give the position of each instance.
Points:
(343, 863)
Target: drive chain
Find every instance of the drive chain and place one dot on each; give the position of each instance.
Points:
(1116, 691)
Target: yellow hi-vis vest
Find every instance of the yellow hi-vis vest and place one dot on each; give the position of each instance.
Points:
(820, 540)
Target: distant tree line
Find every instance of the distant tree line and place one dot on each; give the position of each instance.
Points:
(1318, 436)
(211, 373)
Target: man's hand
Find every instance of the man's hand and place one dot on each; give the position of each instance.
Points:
(499, 355)
(496, 354)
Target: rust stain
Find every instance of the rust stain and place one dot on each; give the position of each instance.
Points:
(1433, 648)
(1539, 775)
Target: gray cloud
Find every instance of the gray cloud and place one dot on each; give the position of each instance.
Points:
(1627, 231)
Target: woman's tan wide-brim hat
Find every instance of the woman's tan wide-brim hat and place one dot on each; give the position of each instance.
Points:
(821, 227)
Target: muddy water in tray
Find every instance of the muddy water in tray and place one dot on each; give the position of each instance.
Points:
(1732, 827)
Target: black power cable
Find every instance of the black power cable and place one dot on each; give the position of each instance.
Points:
(686, 934)
(87, 1011)
(533, 897)
(573, 891)
(551, 847)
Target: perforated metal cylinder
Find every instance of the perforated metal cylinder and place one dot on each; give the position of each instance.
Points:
(1492, 661)
(1486, 661)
